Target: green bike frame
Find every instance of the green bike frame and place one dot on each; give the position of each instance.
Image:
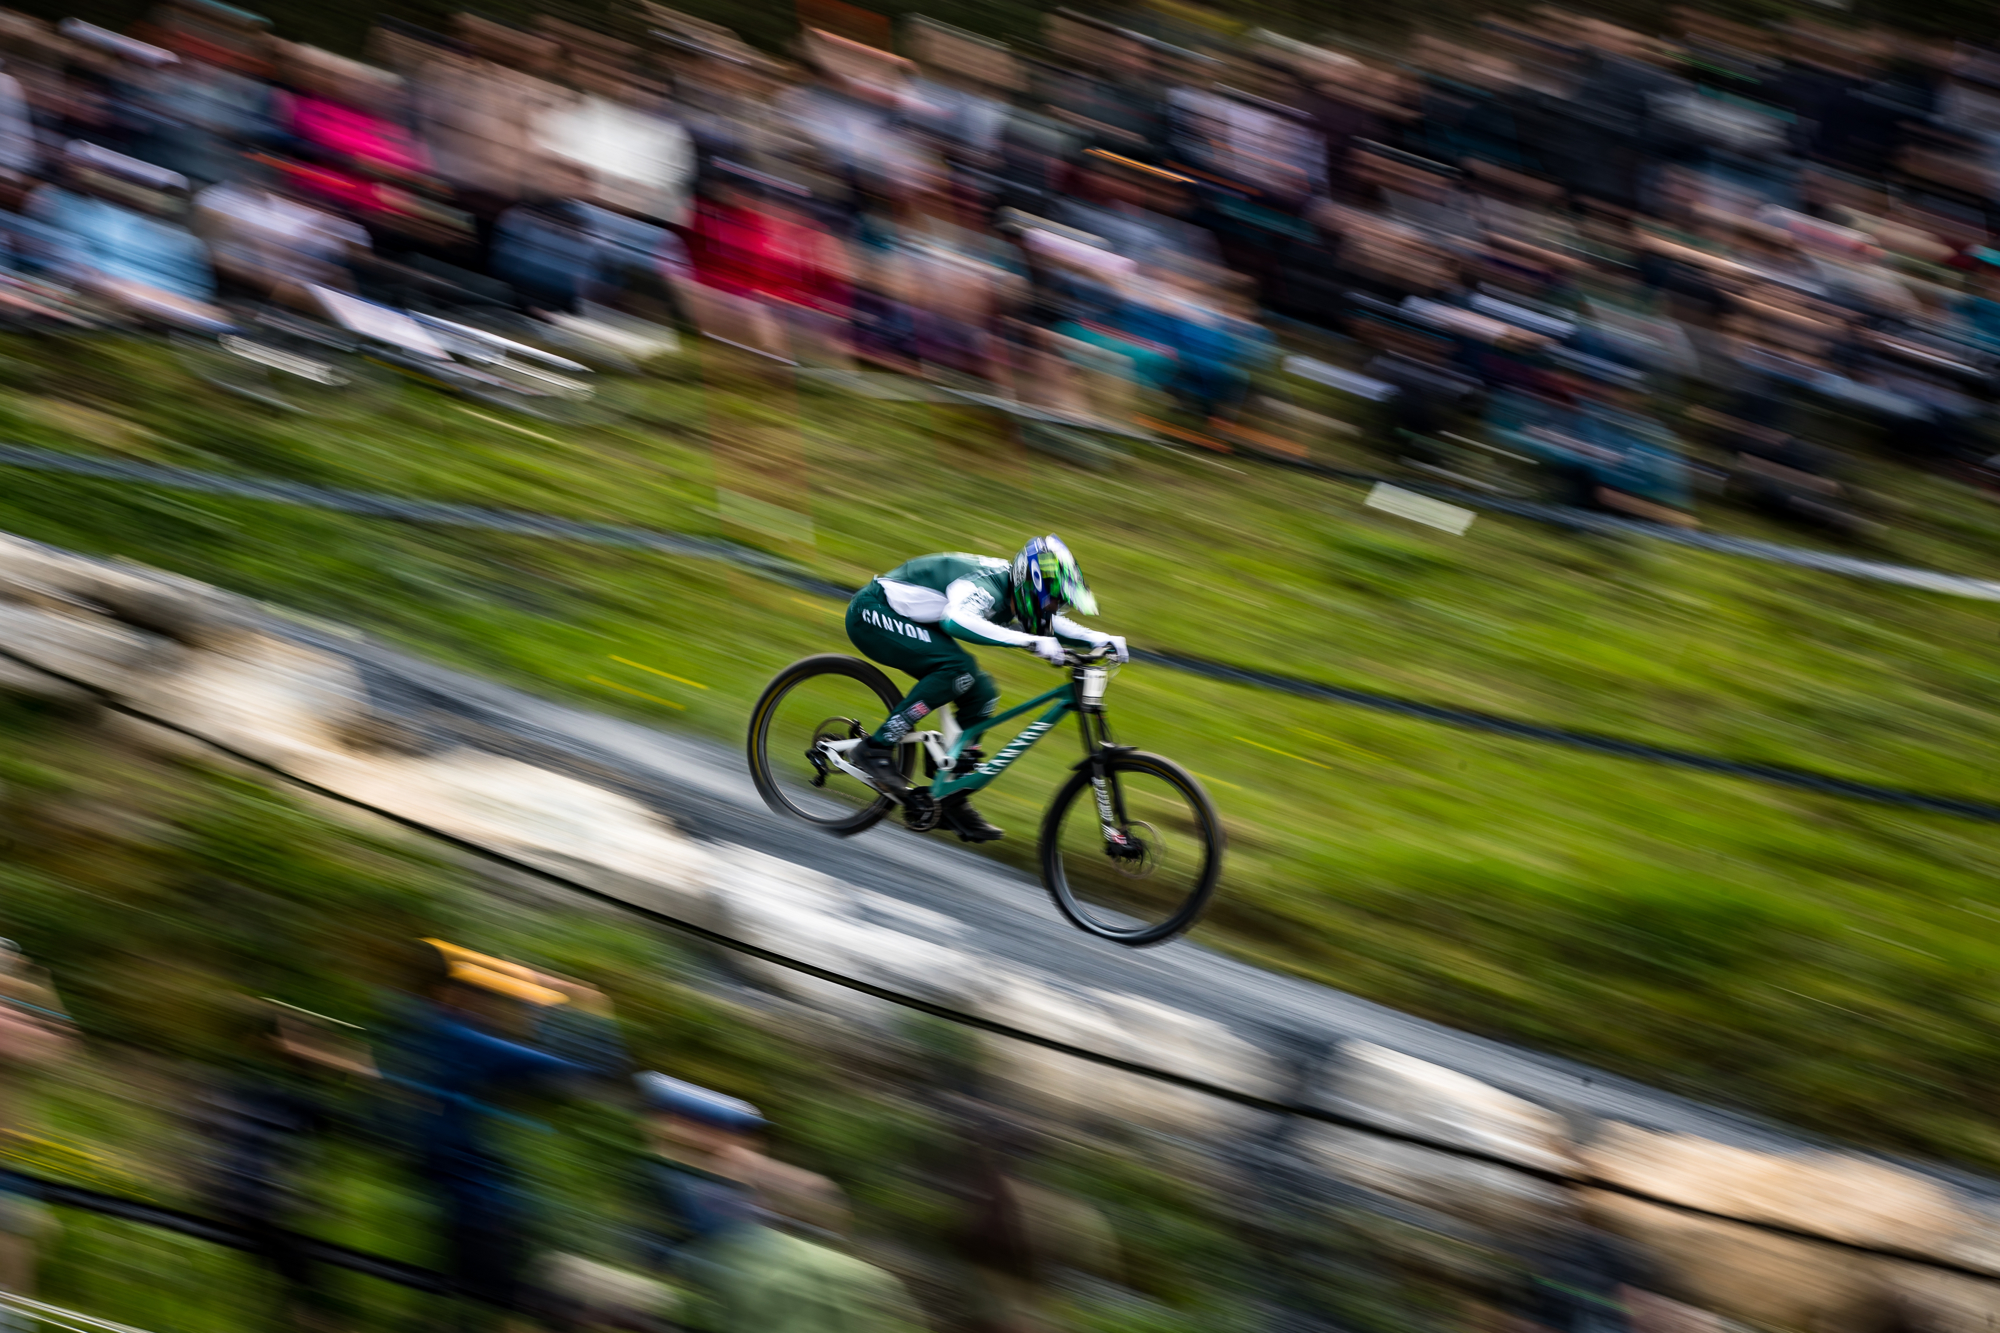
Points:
(1063, 700)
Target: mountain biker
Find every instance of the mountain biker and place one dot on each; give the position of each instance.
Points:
(912, 619)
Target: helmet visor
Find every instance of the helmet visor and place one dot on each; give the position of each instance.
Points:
(1065, 578)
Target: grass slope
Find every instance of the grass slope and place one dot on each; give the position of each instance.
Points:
(162, 895)
(1822, 960)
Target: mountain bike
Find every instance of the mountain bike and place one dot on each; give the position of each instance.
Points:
(1135, 864)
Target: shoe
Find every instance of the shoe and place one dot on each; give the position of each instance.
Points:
(882, 765)
(958, 815)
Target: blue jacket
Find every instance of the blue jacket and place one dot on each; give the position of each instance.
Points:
(460, 1072)
(98, 236)
(1619, 450)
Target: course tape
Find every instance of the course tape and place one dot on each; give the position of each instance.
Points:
(772, 567)
(673, 543)
(215, 1233)
(1582, 520)
(1566, 516)
(1824, 784)
(373, 505)
(993, 1027)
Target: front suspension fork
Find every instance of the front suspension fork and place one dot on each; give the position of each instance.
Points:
(1098, 747)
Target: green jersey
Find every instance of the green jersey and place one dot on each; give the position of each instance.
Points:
(969, 597)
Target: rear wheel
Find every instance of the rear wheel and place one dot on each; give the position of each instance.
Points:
(1135, 860)
(830, 697)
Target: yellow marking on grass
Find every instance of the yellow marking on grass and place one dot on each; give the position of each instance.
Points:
(1335, 740)
(599, 680)
(817, 606)
(1287, 753)
(1220, 782)
(511, 425)
(626, 661)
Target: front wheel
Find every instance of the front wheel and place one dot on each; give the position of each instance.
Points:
(829, 698)
(1133, 856)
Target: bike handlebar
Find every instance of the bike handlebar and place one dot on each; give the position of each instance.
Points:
(1097, 654)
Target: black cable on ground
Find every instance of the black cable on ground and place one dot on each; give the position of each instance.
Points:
(1824, 784)
(1716, 543)
(529, 524)
(978, 1022)
(201, 1228)
(373, 505)
(769, 566)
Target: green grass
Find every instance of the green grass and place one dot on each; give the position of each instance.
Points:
(1822, 960)
(162, 895)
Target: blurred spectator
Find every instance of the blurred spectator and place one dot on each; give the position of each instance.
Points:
(792, 1271)
(120, 232)
(700, 1169)
(960, 283)
(755, 250)
(1981, 308)
(477, 102)
(483, 1032)
(18, 155)
(564, 251)
(1592, 435)
(544, 248)
(261, 1124)
(760, 1242)
(861, 114)
(1582, 1279)
(274, 245)
(1139, 209)
(1119, 105)
(124, 74)
(34, 1034)
(216, 98)
(635, 158)
(339, 112)
(1018, 1238)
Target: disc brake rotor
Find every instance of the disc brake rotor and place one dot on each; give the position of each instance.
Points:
(1138, 859)
(833, 729)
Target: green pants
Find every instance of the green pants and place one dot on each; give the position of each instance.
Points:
(945, 672)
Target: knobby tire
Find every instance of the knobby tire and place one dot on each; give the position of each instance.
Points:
(1210, 823)
(826, 664)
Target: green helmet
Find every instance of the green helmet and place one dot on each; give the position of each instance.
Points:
(1048, 582)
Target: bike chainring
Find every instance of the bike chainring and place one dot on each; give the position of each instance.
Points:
(920, 811)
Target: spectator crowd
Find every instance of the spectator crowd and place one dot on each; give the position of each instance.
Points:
(1643, 267)
(715, 1232)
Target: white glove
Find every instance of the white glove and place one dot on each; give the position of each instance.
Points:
(1049, 650)
(1119, 652)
